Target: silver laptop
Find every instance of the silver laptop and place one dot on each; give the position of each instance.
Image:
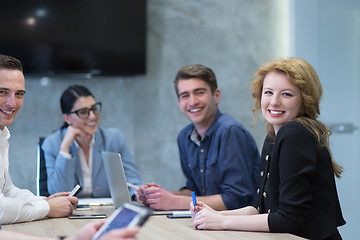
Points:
(116, 178)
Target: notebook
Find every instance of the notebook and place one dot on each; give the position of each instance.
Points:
(116, 178)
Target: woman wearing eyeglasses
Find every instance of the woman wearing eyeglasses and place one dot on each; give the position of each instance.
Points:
(73, 153)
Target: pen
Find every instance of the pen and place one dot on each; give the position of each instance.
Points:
(194, 199)
(132, 186)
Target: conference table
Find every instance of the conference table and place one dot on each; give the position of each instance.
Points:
(158, 227)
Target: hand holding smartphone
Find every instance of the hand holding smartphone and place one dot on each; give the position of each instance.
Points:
(127, 215)
(75, 191)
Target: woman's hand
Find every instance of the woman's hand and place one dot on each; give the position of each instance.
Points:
(199, 206)
(204, 217)
(71, 134)
(207, 218)
(89, 230)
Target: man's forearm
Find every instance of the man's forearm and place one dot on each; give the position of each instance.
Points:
(214, 201)
(183, 201)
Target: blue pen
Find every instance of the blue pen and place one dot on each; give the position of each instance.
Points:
(194, 199)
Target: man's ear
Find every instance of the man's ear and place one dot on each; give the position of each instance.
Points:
(179, 104)
(217, 95)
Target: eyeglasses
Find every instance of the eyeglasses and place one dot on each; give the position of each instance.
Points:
(84, 113)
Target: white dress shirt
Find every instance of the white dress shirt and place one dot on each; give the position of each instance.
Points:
(87, 168)
(16, 205)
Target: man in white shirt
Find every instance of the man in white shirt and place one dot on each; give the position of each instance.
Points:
(20, 205)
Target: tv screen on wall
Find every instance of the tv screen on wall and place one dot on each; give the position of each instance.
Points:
(101, 37)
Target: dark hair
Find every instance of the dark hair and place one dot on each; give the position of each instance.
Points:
(69, 97)
(8, 62)
(196, 71)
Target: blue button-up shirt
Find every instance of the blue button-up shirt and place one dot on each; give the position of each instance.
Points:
(224, 161)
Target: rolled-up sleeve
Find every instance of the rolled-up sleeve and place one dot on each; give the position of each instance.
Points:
(224, 162)
(237, 158)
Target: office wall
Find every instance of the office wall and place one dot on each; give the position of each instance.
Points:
(233, 37)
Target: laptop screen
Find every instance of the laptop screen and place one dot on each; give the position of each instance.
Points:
(116, 178)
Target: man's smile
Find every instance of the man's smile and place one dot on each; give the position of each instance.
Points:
(195, 110)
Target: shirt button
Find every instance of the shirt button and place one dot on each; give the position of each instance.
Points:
(201, 170)
(269, 211)
(267, 157)
(97, 188)
(264, 194)
(258, 191)
(261, 173)
(268, 175)
(189, 165)
(202, 150)
(203, 190)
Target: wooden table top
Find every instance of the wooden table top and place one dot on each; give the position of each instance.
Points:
(156, 228)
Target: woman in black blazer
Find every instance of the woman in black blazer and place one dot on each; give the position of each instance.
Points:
(297, 192)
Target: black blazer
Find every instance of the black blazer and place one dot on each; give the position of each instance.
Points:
(297, 185)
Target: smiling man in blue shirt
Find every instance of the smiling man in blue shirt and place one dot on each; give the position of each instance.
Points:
(219, 157)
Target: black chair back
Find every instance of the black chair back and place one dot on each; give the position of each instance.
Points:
(41, 174)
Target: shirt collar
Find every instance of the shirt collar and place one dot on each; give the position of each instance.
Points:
(5, 133)
(194, 135)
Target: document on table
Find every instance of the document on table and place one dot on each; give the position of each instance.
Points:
(95, 201)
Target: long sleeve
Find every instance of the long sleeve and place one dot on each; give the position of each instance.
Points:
(298, 188)
(190, 184)
(224, 161)
(60, 171)
(239, 161)
(64, 174)
(16, 205)
(19, 205)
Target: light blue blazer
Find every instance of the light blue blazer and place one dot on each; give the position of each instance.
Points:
(63, 174)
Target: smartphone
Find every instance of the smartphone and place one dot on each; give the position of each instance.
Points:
(127, 214)
(90, 216)
(83, 208)
(179, 214)
(175, 216)
(75, 191)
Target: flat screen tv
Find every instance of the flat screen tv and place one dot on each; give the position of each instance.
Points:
(101, 37)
